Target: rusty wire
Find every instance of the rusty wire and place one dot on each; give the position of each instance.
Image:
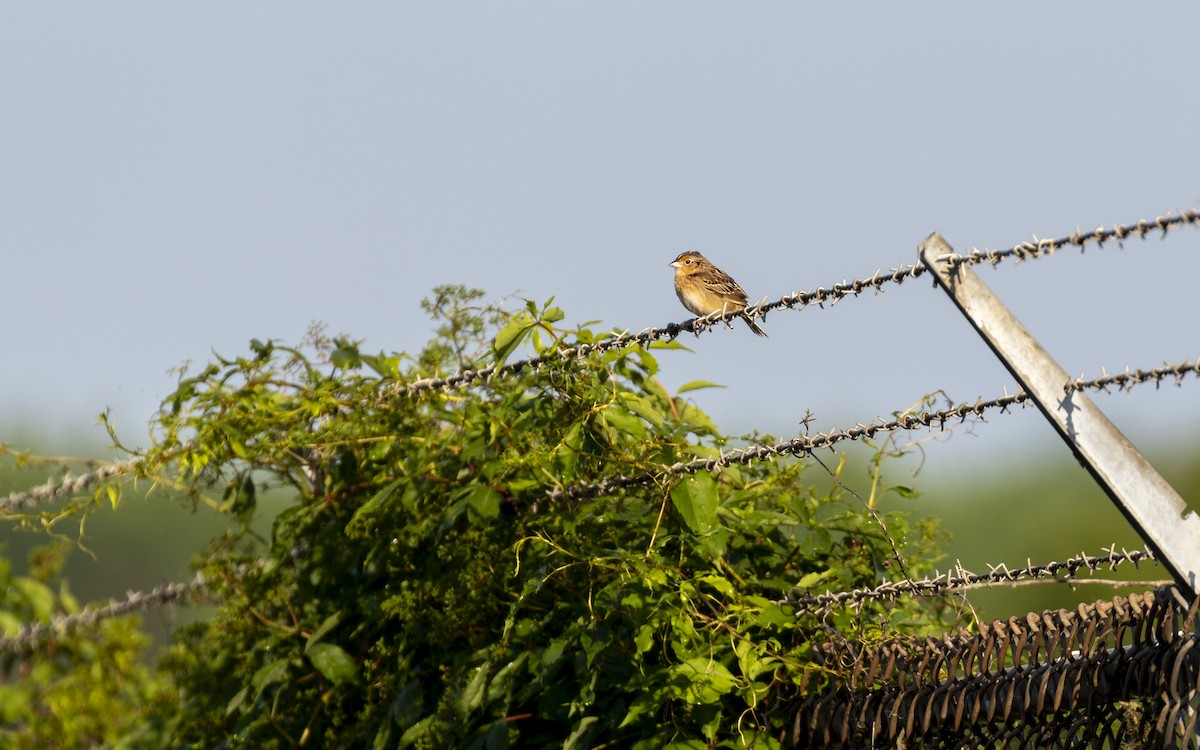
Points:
(960, 578)
(1065, 678)
(800, 300)
(32, 634)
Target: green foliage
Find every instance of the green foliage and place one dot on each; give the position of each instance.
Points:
(422, 591)
(86, 689)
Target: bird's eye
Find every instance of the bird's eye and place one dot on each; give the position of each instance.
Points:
(687, 262)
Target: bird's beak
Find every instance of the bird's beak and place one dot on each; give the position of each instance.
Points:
(674, 264)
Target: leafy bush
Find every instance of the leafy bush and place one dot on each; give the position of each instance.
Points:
(88, 689)
(423, 590)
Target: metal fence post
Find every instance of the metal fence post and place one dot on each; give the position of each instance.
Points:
(1154, 508)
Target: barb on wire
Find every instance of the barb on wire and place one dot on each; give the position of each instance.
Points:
(1125, 381)
(53, 490)
(960, 578)
(799, 446)
(795, 447)
(169, 593)
(801, 300)
(805, 445)
(1041, 247)
(795, 301)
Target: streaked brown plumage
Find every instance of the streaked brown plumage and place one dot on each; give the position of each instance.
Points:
(705, 289)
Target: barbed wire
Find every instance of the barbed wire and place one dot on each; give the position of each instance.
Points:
(1126, 380)
(69, 485)
(960, 578)
(800, 300)
(794, 447)
(1123, 381)
(1042, 247)
(906, 421)
(31, 634)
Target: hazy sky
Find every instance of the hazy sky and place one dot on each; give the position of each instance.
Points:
(180, 178)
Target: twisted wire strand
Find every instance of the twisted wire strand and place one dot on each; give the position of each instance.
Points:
(32, 634)
(800, 446)
(1125, 381)
(69, 485)
(800, 300)
(959, 578)
(805, 445)
(1042, 247)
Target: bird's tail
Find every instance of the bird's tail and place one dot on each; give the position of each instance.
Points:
(753, 326)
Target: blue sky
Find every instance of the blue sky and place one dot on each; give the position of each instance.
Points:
(181, 178)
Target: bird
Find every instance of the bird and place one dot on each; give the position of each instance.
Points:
(706, 290)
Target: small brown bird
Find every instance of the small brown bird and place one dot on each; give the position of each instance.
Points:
(705, 289)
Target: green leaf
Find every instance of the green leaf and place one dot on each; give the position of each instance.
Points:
(409, 705)
(773, 614)
(385, 366)
(333, 663)
(345, 357)
(697, 421)
(643, 407)
(751, 661)
(502, 683)
(362, 516)
(553, 315)
(623, 422)
(323, 629)
(483, 503)
(808, 580)
(383, 737)
(471, 697)
(644, 638)
(236, 701)
(696, 500)
(717, 582)
(581, 737)
(648, 362)
(696, 385)
(423, 728)
(509, 338)
(10, 624)
(646, 705)
(241, 497)
(38, 596)
(269, 674)
(703, 680)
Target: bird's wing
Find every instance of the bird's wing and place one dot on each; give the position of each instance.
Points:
(726, 287)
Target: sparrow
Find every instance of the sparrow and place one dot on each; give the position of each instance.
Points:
(705, 289)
